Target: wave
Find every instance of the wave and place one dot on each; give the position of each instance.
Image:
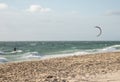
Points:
(2, 60)
(18, 51)
(64, 55)
(1, 52)
(111, 48)
(20, 55)
(31, 55)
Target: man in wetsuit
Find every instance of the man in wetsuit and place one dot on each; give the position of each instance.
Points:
(15, 49)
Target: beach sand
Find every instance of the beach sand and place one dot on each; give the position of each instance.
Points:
(101, 67)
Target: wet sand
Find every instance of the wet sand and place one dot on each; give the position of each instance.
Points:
(102, 67)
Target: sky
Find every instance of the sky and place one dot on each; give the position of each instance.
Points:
(59, 20)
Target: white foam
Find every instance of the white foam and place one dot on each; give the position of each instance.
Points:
(18, 51)
(1, 52)
(64, 55)
(2, 59)
(111, 48)
(84, 52)
(36, 55)
(31, 55)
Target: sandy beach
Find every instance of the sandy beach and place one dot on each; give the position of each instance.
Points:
(102, 67)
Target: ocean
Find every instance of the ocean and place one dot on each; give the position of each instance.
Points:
(30, 50)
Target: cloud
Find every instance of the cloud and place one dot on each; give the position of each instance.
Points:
(110, 13)
(3, 6)
(37, 8)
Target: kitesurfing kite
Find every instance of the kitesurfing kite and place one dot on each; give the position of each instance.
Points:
(100, 30)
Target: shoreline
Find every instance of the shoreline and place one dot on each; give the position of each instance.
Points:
(62, 69)
(60, 56)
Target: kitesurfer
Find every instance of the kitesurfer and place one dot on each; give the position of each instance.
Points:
(15, 49)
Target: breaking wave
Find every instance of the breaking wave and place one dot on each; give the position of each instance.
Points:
(111, 48)
(31, 55)
(2, 60)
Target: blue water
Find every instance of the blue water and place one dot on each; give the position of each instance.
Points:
(46, 49)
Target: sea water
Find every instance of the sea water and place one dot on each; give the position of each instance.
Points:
(29, 50)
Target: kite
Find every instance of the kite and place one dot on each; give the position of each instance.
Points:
(100, 30)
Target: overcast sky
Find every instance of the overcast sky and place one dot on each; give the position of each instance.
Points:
(48, 20)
